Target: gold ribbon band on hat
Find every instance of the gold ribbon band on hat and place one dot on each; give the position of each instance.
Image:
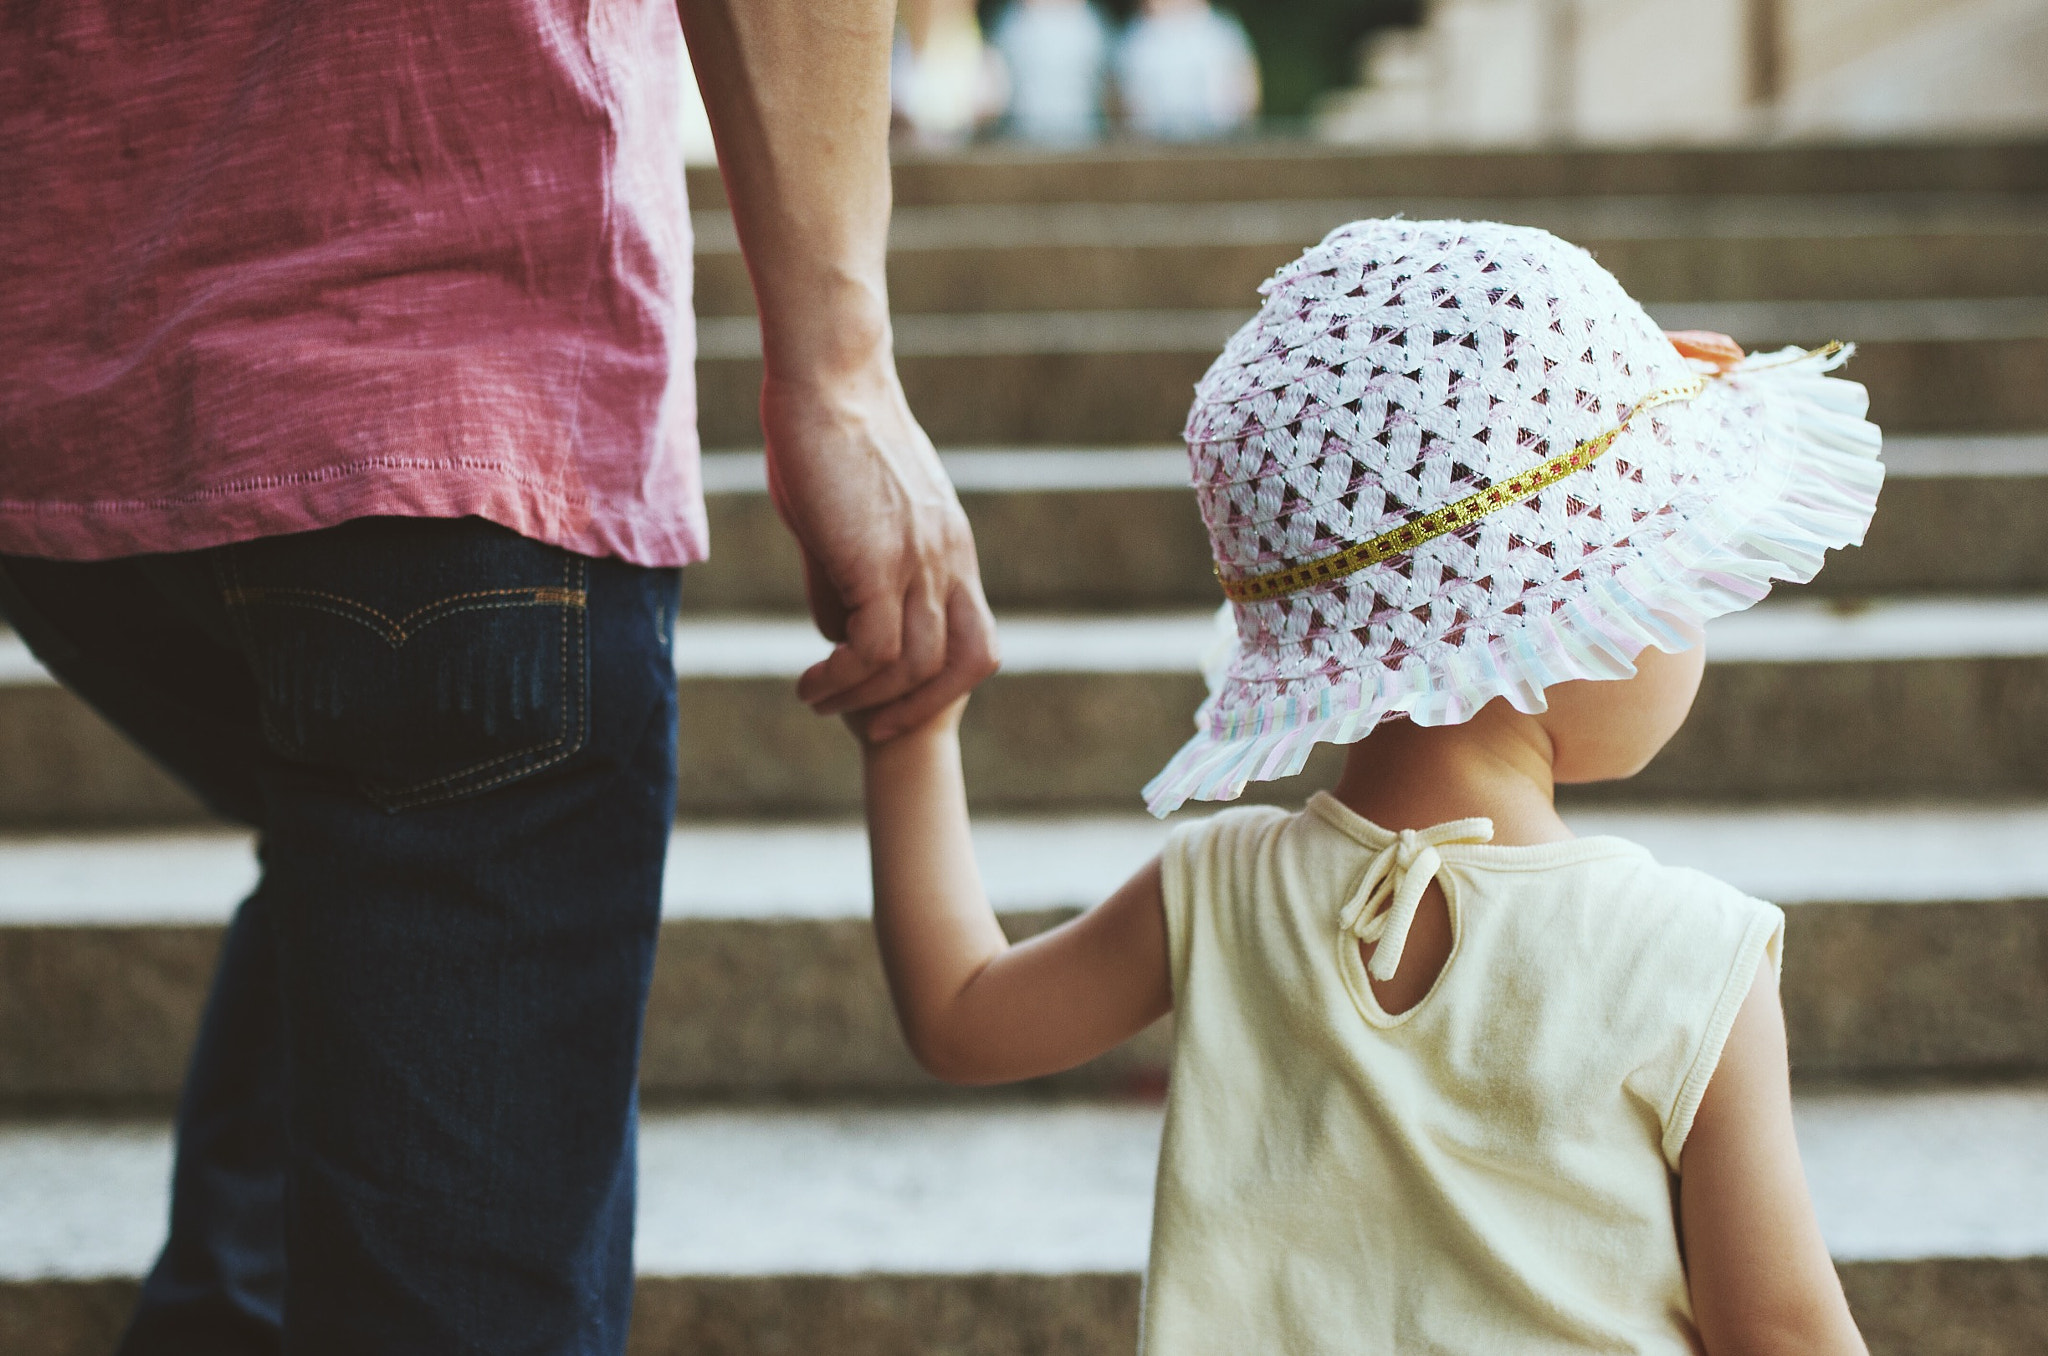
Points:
(1258, 588)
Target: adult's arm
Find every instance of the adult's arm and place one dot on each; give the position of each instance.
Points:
(798, 96)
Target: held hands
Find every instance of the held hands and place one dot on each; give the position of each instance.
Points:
(889, 563)
(942, 725)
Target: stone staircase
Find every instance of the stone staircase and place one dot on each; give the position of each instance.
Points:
(1871, 751)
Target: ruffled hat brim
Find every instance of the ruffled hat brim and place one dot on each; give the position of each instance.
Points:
(1813, 489)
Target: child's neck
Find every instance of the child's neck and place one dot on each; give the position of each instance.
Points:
(1496, 765)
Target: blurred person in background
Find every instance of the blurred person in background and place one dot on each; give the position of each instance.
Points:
(1186, 72)
(1057, 52)
(946, 83)
(347, 458)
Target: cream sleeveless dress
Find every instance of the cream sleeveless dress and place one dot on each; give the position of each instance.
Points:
(1488, 1172)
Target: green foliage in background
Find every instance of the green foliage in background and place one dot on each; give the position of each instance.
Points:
(1306, 47)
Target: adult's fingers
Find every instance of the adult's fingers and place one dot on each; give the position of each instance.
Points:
(971, 656)
(921, 655)
(873, 640)
(828, 609)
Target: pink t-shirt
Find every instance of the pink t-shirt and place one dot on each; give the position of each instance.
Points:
(267, 267)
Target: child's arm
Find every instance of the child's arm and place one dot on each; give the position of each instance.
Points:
(1762, 1282)
(974, 1008)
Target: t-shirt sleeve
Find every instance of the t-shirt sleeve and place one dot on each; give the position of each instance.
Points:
(1757, 930)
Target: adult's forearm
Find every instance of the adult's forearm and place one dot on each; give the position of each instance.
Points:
(798, 96)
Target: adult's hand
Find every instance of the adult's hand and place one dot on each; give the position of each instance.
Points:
(889, 561)
(798, 94)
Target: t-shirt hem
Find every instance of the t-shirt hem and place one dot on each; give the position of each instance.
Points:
(93, 532)
(1764, 935)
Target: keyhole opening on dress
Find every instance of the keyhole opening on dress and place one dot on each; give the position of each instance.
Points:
(1423, 958)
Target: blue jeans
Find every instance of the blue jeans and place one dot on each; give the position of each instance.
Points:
(409, 1120)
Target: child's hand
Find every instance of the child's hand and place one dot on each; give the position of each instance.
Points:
(1707, 347)
(945, 722)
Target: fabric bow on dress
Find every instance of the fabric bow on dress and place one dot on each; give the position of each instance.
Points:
(1383, 907)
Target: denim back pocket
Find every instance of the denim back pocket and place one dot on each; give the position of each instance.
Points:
(424, 659)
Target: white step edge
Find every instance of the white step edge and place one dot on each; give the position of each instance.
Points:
(1035, 1189)
(1011, 333)
(1792, 631)
(1797, 630)
(1965, 456)
(1022, 333)
(1300, 222)
(1012, 469)
(1877, 855)
(1024, 469)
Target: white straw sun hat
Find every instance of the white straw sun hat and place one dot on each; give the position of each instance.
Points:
(1452, 461)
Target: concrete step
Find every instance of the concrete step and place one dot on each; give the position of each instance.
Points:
(1918, 944)
(1138, 256)
(1000, 1228)
(1934, 697)
(1107, 530)
(1294, 170)
(1803, 699)
(1088, 378)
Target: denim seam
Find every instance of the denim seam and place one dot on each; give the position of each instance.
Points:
(413, 794)
(229, 577)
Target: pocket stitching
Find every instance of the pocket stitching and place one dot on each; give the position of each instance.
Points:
(570, 741)
(397, 633)
(412, 794)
